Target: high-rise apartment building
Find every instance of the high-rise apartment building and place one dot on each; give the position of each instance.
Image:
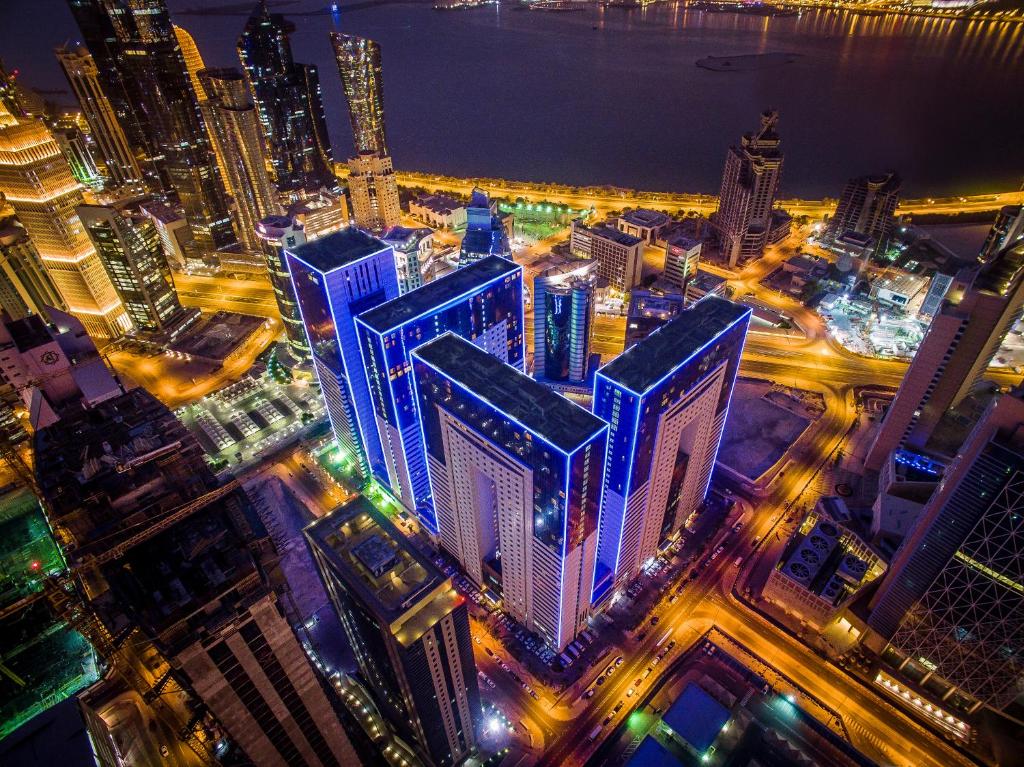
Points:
(288, 100)
(412, 247)
(120, 164)
(515, 473)
(486, 234)
(950, 606)
(744, 219)
(666, 400)
(563, 320)
(359, 64)
(143, 73)
(277, 233)
(373, 190)
(961, 341)
(336, 278)
(867, 208)
(130, 248)
(619, 256)
(408, 628)
(163, 552)
(1006, 230)
(37, 182)
(236, 133)
(25, 285)
(482, 303)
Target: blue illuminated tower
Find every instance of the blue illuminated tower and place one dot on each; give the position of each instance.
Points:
(485, 231)
(482, 303)
(335, 278)
(665, 400)
(515, 473)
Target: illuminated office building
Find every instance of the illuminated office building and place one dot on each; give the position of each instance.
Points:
(666, 400)
(408, 628)
(36, 179)
(619, 256)
(515, 475)
(373, 190)
(25, 285)
(336, 278)
(320, 213)
(482, 303)
(951, 361)
(236, 133)
(745, 217)
(867, 210)
(951, 606)
(120, 165)
(412, 249)
(485, 231)
(288, 100)
(143, 72)
(359, 64)
(563, 320)
(129, 246)
(276, 233)
(682, 257)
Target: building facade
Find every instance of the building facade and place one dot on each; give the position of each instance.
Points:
(276, 234)
(483, 304)
(25, 285)
(336, 278)
(486, 234)
(619, 256)
(359, 64)
(408, 628)
(951, 607)
(373, 190)
(682, 258)
(666, 400)
(515, 477)
(564, 298)
(288, 100)
(412, 249)
(867, 207)
(750, 182)
(37, 182)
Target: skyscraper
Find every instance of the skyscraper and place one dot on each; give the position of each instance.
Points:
(25, 285)
(143, 70)
(276, 233)
(485, 231)
(287, 98)
(359, 64)
(950, 606)
(961, 341)
(619, 256)
(867, 207)
(665, 400)
(129, 246)
(1006, 230)
(336, 278)
(563, 319)
(36, 179)
(515, 474)
(374, 192)
(744, 219)
(185, 565)
(482, 303)
(235, 130)
(408, 628)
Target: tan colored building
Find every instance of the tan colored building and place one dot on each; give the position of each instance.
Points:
(374, 191)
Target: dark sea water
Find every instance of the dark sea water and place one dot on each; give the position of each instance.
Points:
(614, 96)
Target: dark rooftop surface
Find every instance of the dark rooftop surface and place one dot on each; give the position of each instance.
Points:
(611, 233)
(436, 294)
(696, 717)
(55, 736)
(374, 558)
(558, 420)
(647, 362)
(338, 249)
(645, 217)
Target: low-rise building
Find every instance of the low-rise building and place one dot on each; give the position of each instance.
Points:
(704, 284)
(643, 223)
(439, 211)
(412, 247)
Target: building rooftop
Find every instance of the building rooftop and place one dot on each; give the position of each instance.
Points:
(338, 249)
(374, 559)
(706, 281)
(696, 717)
(436, 294)
(645, 217)
(643, 365)
(406, 235)
(552, 417)
(652, 754)
(438, 203)
(58, 735)
(611, 233)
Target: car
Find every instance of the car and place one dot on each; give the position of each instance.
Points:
(589, 693)
(737, 527)
(476, 638)
(606, 720)
(654, 620)
(489, 651)
(630, 692)
(600, 680)
(636, 682)
(672, 599)
(671, 645)
(656, 660)
(164, 752)
(641, 636)
(618, 661)
(618, 706)
(534, 695)
(647, 673)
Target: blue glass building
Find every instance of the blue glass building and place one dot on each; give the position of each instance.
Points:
(665, 400)
(485, 231)
(335, 278)
(482, 303)
(515, 472)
